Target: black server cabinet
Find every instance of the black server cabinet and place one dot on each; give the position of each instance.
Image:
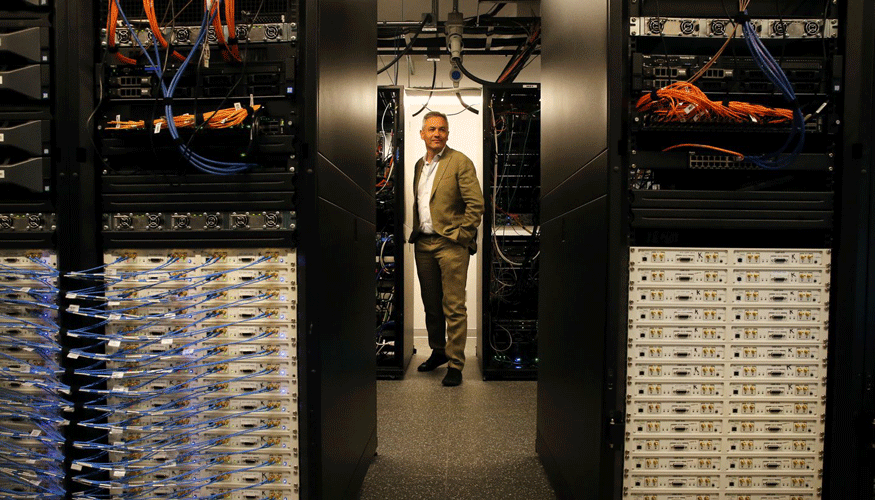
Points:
(394, 334)
(287, 89)
(507, 345)
(620, 175)
(31, 107)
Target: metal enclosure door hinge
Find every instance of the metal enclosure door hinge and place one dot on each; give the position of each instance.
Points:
(616, 428)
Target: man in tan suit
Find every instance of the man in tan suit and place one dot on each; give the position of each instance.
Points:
(448, 204)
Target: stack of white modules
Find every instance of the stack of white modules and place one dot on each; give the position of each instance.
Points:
(31, 392)
(194, 376)
(726, 370)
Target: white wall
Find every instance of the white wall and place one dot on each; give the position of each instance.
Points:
(466, 129)
(466, 135)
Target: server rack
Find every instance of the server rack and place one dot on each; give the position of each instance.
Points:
(129, 204)
(507, 346)
(676, 332)
(34, 386)
(394, 335)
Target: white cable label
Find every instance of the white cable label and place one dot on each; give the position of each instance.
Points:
(2, 137)
(114, 343)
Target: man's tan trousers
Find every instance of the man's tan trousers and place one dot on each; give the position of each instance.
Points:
(442, 266)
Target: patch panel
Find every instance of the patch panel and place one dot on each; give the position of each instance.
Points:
(772, 334)
(678, 256)
(675, 427)
(247, 494)
(773, 391)
(776, 371)
(678, 482)
(670, 333)
(199, 347)
(677, 276)
(675, 408)
(32, 403)
(669, 462)
(692, 314)
(797, 408)
(675, 390)
(771, 427)
(802, 296)
(186, 35)
(775, 445)
(677, 352)
(676, 445)
(801, 352)
(772, 464)
(784, 278)
(750, 314)
(255, 221)
(794, 481)
(761, 347)
(649, 369)
(681, 295)
(721, 28)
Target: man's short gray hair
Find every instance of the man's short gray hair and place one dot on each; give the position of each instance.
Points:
(433, 114)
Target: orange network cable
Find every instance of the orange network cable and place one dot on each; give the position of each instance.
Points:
(149, 7)
(111, 21)
(230, 21)
(739, 156)
(220, 32)
(223, 118)
(682, 102)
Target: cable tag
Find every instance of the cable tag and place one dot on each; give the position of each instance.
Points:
(114, 343)
(237, 106)
(114, 317)
(753, 119)
(169, 315)
(113, 303)
(121, 389)
(166, 341)
(118, 374)
(689, 109)
(114, 430)
(118, 119)
(73, 355)
(251, 101)
(71, 295)
(73, 308)
(75, 466)
(35, 433)
(118, 473)
(157, 128)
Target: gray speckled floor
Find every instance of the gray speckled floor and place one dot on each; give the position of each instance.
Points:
(490, 454)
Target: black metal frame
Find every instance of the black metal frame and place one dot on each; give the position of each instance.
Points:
(395, 366)
(489, 366)
(335, 245)
(587, 223)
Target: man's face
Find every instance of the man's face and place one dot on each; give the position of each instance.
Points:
(435, 132)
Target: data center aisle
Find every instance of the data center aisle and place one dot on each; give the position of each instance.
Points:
(489, 455)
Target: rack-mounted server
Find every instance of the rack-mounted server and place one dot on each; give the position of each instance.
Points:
(507, 347)
(703, 221)
(394, 333)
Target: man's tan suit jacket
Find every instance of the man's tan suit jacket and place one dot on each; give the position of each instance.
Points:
(456, 200)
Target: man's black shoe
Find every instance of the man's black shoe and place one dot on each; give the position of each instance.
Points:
(453, 377)
(435, 360)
